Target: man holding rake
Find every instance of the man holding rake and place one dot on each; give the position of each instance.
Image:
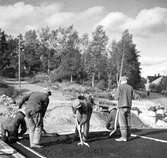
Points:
(83, 112)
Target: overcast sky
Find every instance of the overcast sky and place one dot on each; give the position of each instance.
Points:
(145, 19)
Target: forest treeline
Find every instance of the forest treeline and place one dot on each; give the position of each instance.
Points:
(64, 54)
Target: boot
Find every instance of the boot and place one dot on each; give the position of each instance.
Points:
(121, 139)
(36, 146)
(37, 135)
(123, 136)
(31, 136)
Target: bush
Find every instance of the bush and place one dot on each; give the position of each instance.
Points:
(40, 77)
(164, 92)
(155, 88)
(101, 85)
(152, 108)
(140, 94)
(7, 90)
(9, 72)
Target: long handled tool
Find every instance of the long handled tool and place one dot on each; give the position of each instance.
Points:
(117, 113)
(80, 136)
(115, 124)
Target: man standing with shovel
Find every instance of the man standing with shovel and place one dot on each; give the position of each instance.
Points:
(124, 95)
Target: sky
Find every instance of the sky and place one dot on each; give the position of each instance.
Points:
(145, 19)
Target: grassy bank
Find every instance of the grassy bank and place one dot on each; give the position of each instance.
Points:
(7, 90)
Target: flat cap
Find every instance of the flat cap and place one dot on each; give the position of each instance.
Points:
(123, 78)
(81, 97)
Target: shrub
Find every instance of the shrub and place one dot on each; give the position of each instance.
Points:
(7, 90)
(155, 88)
(101, 85)
(40, 77)
(164, 92)
(9, 72)
(139, 94)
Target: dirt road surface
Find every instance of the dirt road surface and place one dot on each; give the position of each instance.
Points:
(103, 147)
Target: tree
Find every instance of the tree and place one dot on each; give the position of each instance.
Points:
(4, 52)
(114, 64)
(13, 56)
(31, 54)
(8, 55)
(70, 55)
(45, 48)
(131, 65)
(83, 47)
(96, 54)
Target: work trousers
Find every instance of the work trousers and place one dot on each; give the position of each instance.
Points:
(85, 129)
(124, 118)
(86, 125)
(34, 124)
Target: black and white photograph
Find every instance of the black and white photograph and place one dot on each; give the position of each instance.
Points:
(83, 78)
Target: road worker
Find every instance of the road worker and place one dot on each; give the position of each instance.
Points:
(147, 87)
(124, 95)
(10, 127)
(35, 105)
(83, 112)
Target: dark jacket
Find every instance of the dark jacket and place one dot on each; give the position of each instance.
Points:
(35, 102)
(125, 95)
(84, 111)
(10, 127)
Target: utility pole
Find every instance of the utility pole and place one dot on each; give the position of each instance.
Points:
(19, 64)
(122, 60)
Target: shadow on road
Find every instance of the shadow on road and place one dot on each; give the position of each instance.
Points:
(54, 138)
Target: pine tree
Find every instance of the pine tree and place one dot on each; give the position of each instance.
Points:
(31, 52)
(131, 64)
(70, 55)
(4, 53)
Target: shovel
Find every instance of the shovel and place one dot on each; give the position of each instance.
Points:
(80, 137)
(115, 124)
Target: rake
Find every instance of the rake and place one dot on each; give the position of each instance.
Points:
(115, 124)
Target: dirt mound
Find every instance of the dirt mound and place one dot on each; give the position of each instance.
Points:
(7, 107)
(61, 120)
(135, 121)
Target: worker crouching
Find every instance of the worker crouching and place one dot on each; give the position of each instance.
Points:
(110, 123)
(13, 127)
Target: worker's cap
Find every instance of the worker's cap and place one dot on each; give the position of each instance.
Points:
(47, 90)
(81, 97)
(123, 78)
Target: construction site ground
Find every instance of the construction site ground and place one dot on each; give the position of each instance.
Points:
(145, 143)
